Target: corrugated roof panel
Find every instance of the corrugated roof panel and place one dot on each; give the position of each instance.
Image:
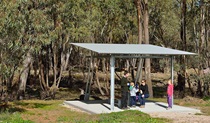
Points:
(131, 49)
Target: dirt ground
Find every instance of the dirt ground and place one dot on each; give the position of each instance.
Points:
(178, 117)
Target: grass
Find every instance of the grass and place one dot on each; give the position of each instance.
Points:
(52, 111)
(36, 111)
(132, 116)
(7, 117)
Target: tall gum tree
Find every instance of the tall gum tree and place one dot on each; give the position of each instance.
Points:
(12, 48)
(146, 38)
(182, 72)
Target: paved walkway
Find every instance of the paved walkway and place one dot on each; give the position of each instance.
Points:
(102, 106)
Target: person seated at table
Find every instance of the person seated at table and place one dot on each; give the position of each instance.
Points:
(144, 93)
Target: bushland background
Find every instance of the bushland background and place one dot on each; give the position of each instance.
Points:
(37, 60)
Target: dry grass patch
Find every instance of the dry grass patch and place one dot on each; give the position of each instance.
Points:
(53, 111)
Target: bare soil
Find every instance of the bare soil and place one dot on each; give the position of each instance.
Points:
(177, 117)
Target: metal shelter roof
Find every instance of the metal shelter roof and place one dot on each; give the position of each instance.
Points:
(146, 49)
(116, 50)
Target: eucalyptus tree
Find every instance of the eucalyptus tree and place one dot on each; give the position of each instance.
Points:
(164, 23)
(146, 39)
(164, 28)
(35, 28)
(182, 72)
(33, 35)
(51, 26)
(193, 33)
(107, 23)
(113, 23)
(180, 24)
(53, 36)
(142, 7)
(12, 47)
(198, 28)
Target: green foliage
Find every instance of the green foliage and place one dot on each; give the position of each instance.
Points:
(11, 49)
(46, 28)
(207, 99)
(164, 22)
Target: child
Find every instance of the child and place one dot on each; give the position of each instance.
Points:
(133, 91)
(169, 94)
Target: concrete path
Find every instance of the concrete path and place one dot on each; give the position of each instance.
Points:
(102, 106)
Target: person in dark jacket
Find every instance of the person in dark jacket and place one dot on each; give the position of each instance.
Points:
(124, 90)
(144, 93)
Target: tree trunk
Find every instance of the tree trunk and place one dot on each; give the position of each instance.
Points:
(61, 68)
(140, 37)
(166, 66)
(107, 86)
(147, 61)
(67, 61)
(98, 82)
(97, 78)
(67, 54)
(189, 85)
(105, 65)
(55, 63)
(127, 65)
(42, 79)
(139, 19)
(182, 72)
(133, 65)
(24, 75)
(139, 73)
(208, 28)
(201, 50)
(202, 27)
(181, 84)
